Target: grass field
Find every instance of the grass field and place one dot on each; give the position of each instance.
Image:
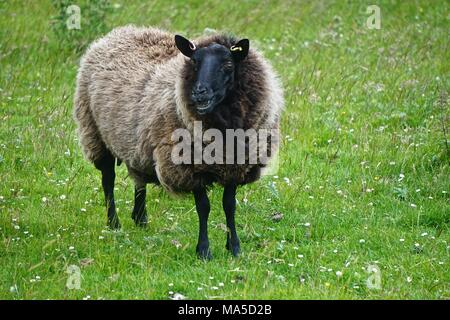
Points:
(363, 181)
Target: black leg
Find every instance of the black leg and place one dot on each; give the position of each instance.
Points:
(139, 214)
(106, 166)
(203, 208)
(229, 206)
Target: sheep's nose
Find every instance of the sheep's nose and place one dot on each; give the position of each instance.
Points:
(200, 94)
(199, 90)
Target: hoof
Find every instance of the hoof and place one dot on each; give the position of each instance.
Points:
(235, 248)
(140, 219)
(114, 223)
(203, 252)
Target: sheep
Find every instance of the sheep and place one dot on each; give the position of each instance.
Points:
(136, 86)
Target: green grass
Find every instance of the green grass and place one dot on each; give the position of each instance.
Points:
(364, 148)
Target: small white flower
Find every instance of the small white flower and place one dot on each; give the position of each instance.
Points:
(170, 284)
(409, 279)
(62, 197)
(362, 241)
(101, 237)
(339, 274)
(413, 205)
(178, 296)
(300, 256)
(221, 284)
(402, 240)
(16, 227)
(71, 248)
(44, 199)
(424, 234)
(307, 224)
(83, 209)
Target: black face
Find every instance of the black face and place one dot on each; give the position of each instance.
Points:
(214, 75)
(214, 68)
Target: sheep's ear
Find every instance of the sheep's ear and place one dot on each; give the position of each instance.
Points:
(240, 50)
(184, 45)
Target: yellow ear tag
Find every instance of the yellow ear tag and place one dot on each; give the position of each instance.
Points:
(234, 48)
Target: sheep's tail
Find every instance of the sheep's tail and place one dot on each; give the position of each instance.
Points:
(90, 140)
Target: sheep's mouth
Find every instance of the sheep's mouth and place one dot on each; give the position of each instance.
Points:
(206, 107)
